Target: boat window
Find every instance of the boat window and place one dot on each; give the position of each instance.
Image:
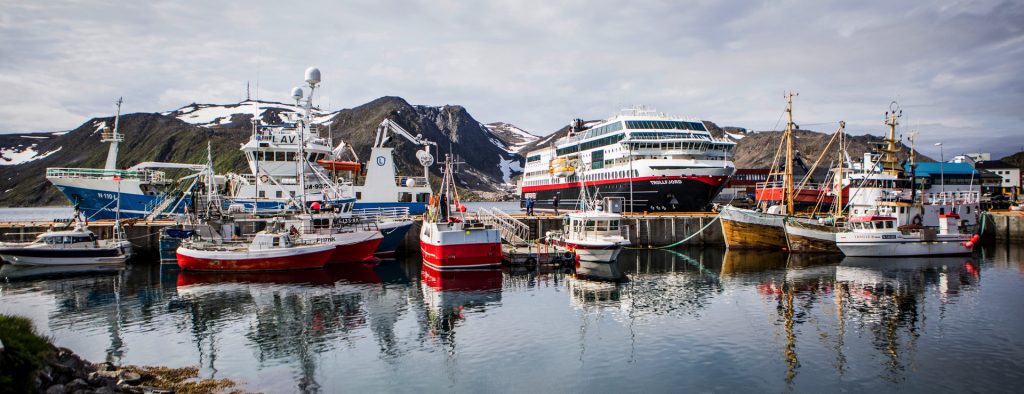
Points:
(888, 224)
(613, 225)
(275, 242)
(290, 156)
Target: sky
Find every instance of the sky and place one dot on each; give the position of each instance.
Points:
(955, 68)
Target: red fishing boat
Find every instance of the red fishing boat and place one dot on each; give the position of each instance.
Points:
(451, 239)
(266, 252)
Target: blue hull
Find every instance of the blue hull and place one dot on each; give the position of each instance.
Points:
(96, 204)
(392, 239)
(415, 208)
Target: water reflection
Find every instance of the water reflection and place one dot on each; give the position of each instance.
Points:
(449, 296)
(801, 321)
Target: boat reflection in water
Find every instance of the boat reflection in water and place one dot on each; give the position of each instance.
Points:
(449, 294)
(884, 297)
(27, 272)
(758, 319)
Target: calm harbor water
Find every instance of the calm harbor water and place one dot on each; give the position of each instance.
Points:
(658, 321)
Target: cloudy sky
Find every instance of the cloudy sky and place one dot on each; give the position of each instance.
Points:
(956, 67)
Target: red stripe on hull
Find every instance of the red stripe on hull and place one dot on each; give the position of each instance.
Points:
(714, 181)
(355, 252)
(297, 262)
(461, 255)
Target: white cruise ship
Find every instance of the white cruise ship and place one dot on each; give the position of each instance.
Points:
(654, 162)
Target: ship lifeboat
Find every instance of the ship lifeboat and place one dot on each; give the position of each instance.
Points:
(334, 165)
(561, 167)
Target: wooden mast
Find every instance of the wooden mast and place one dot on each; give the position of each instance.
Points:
(837, 202)
(788, 182)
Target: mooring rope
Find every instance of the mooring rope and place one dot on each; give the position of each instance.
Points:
(672, 245)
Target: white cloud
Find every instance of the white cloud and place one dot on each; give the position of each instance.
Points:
(954, 66)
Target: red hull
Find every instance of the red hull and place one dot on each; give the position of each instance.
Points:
(802, 196)
(356, 252)
(461, 255)
(298, 262)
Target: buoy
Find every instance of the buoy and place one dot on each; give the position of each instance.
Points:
(315, 206)
(461, 208)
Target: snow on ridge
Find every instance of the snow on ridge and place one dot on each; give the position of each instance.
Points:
(734, 136)
(519, 137)
(207, 115)
(12, 156)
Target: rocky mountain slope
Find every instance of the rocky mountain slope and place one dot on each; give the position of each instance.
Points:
(181, 135)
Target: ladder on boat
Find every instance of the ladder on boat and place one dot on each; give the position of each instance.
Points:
(161, 207)
(512, 231)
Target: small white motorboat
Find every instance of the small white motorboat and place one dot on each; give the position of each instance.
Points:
(592, 235)
(879, 236)
(70, 247)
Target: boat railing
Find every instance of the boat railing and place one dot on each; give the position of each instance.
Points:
(952, 198)
(416, 180)
(100, 173)
(383, 213)
(782, 184)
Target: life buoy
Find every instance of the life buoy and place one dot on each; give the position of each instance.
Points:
(917, 220)
(264, 178)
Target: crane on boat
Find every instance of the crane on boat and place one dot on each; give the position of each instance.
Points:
(388, 126)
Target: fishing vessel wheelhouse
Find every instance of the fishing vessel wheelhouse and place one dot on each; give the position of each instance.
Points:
(655, 162)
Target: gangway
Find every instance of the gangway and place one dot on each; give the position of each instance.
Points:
(516, 245)
(513, 232)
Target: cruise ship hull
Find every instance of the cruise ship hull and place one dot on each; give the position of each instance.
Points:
(649, 194)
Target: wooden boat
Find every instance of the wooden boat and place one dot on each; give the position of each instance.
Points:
(806, 237)
(266, 252)
(749, 229)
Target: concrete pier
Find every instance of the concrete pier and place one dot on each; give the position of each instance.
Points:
(1005, 226)
(643, 230)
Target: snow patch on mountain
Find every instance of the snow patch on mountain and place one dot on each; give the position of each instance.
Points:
(513, 138)
(509, 168)
(20, 154)
(209, 115)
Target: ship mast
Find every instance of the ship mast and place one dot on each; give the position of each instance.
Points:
(890, 163)
(837, 202)
(788, 182)
(113, 137)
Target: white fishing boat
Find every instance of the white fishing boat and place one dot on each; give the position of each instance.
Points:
(77, 246)
(879, 236)
(592, 235)
(354, 240)
(268, 251)
(453, 239)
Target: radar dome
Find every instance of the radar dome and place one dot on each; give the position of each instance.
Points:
(312, 75)
(297, 93)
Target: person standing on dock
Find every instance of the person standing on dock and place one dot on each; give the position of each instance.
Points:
(554, 202)
(529, 206)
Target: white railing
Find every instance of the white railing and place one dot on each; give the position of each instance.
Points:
(382, 214)
(418, 180)
(99, 173)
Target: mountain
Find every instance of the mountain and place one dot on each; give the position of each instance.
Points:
(486, 157)
(1016, 159)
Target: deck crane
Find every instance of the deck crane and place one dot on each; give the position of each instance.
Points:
(388, 126)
